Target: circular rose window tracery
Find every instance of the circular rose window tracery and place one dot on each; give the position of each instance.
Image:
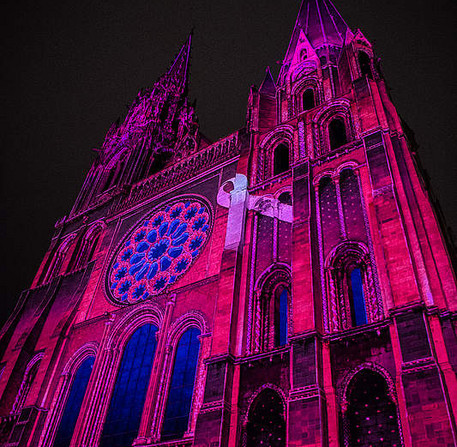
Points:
(159, 250)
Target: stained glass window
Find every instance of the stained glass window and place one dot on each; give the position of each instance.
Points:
(182, 386)
(359, 314)
(159, 250)
(283, 297)
(73, 403)
(126, 406)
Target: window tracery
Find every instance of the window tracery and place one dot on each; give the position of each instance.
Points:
(159, 250)
(126, 406)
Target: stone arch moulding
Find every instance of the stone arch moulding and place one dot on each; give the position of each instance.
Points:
(20, 399)
(281, 134)
(141, 314)
(63, 390)
(338, 109)
(344, 389)
(300, 87)
(344, 386)
(196, 319)
(257, 392)
(276, 275)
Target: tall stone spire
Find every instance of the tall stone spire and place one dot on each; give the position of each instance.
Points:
(319, 30)
(321, 23)
(178, 72)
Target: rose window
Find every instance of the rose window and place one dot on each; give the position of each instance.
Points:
(159, 250)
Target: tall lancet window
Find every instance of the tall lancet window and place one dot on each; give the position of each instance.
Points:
(280, 159)
(26, 384)
(126, 406)
(357, 297)
(181, 390)
(365, 64)
(337, 133)
(308, 99)
(281, 302)
(73, 405)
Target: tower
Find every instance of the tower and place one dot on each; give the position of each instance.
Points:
(286, 285)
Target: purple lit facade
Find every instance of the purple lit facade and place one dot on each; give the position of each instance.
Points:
(287, 285)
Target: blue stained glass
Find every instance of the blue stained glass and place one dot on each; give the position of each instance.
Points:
(182, 386)
(126, 406)
(283, 298)
(359, 313)
(159, 250)
(73, 405)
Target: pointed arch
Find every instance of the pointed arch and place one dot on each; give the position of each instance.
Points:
(184, 376)
(27, 381)
(69, 394)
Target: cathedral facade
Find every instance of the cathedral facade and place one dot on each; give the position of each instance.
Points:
(287, 285)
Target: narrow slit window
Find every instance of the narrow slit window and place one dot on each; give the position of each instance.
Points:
(365, 65)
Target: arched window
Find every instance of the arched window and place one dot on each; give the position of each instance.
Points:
(365, 64)
(126, 406)
(270, 328)
(181, 390)
(281, 159)
(351, 289)
(87, 249)
(26, 384)
(73, 404)
(357, 297)
(285, 198)
(281, 304)
(308, 99)
(371, 418)
(266, 425)
(337, 133)
(57, 260)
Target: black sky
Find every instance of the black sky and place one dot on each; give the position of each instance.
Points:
(70, 68)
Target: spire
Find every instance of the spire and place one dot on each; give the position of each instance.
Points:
(178, 72)
(321, 23)
(268, 86)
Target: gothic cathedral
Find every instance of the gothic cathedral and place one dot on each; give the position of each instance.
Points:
(287, 285)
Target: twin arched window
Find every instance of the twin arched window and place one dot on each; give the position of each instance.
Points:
(86, 250)
(129, 393)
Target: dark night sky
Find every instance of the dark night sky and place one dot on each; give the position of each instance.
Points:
(70, 68)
